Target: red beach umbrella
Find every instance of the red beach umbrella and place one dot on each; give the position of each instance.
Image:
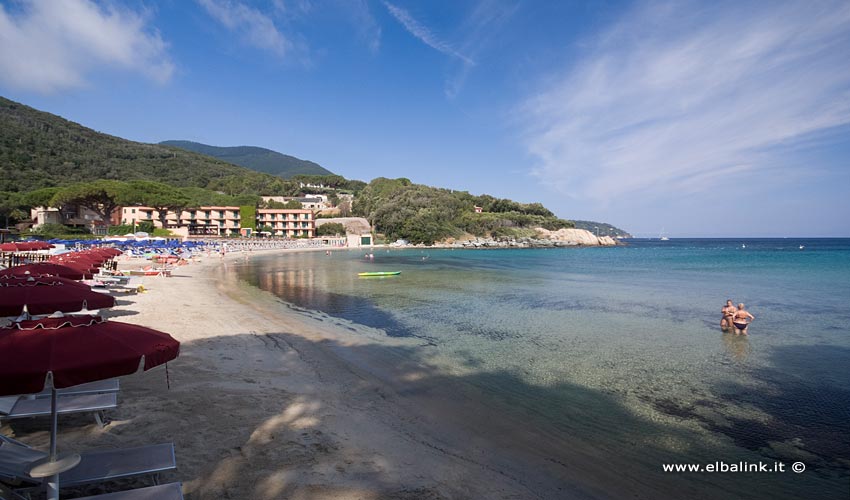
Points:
(46, 268)
(29, 280)
(33, 245)
(69, 351)
(76, 350)
(78, 263)
(79, 257)
(106, 252)
(46, 296)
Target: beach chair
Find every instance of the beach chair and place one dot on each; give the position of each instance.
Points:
(21, 407)
(99, 387)
(95, 466)
(170, 491)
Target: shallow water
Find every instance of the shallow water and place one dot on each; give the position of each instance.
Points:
(620, 347)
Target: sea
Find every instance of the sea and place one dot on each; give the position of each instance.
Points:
(617, 352)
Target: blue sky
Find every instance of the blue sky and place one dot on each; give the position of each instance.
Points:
(695, 118)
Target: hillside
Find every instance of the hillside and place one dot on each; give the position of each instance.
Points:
(259, 159)
(400, 209)
(39, 149)
(605, 229)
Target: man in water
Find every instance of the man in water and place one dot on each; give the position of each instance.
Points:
(742, 319)
(728, 312)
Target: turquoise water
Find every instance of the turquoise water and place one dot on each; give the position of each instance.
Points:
(620, 348)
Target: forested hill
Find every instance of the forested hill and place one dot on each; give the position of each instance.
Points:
(39, 149)
(259, 159)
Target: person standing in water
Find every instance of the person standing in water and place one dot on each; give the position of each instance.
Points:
(742, 319)
(728, 312)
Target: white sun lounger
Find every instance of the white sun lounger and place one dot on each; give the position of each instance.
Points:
(82, 403)
(94, 467)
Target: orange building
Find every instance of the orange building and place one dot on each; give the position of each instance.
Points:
(292, 223)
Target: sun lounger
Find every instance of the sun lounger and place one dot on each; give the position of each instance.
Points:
(150, 272)
(83, 403)
(170, 491)
(98, 387)
(94, 467)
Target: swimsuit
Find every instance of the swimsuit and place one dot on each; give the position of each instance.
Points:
(740, 326)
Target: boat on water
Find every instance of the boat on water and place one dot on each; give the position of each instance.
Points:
(378, 273)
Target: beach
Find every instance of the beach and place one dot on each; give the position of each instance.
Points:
(261, 405)
(275, 397)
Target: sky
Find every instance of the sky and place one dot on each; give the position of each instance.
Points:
(688, 119)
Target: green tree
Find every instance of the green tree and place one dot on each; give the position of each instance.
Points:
(101, 197)
(248, 216)
(330, 229)
(11, 206)
(161, 197)
(40, 197)
(273, 204)
(333, 199)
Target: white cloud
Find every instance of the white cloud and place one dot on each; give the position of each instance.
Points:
(424, 34)
(254, 27)
(47, 46)
(484, 19)
(681, 98)
(367, 27)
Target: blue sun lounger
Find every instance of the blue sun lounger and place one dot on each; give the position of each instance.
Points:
(98, 387)
(94, 467)
(22, 407)
(170, 491)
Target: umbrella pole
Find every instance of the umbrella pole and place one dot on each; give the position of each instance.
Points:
(53, 482)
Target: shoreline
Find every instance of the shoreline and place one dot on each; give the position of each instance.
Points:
(261, 404)
(270, 400)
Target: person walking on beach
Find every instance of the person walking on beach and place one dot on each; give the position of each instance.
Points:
(728, 312)
(742, 319)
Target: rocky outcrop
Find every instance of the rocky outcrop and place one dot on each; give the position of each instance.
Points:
(545, 239)
(575, 237)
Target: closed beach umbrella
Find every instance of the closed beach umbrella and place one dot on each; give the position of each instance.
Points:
(44, 296)
(46, 268)
(74, 350)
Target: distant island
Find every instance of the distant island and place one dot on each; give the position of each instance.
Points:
(259, 159)
(46, 160)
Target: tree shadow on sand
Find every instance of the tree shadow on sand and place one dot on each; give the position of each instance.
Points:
(425, 433)
(530, 441)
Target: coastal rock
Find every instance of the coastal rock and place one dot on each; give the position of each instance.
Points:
(545, 239)
(568, 237)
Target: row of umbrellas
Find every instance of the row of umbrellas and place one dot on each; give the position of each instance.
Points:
(25, 246)
(63, 351)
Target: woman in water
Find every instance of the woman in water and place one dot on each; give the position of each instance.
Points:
(728, 312)
(742, 319)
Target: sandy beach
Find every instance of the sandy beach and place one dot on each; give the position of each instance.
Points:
(269, 402)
